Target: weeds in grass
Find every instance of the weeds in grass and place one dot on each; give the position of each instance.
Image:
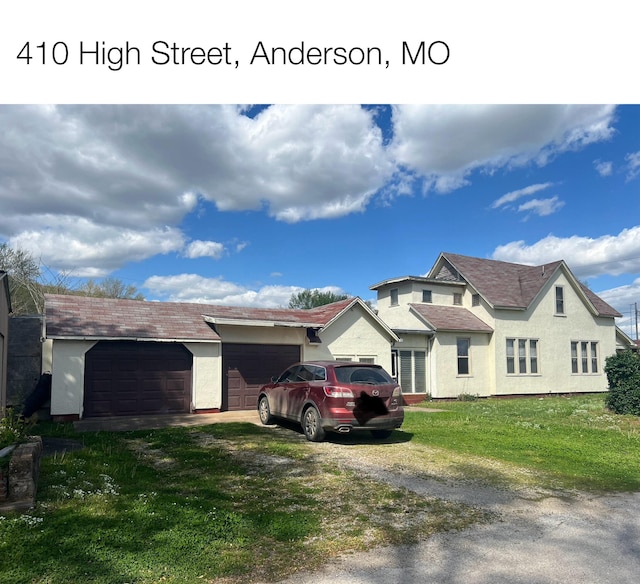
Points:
(569, 442)
(227, 501)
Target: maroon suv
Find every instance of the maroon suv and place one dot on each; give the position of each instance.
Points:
(334, 396)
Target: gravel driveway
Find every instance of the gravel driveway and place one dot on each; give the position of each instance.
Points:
(538, 536)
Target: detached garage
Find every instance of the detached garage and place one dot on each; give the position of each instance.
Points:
(114, 357)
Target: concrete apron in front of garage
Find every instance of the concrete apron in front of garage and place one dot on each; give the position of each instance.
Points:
(124, 423)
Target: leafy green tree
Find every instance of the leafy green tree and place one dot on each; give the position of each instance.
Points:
(312, 298)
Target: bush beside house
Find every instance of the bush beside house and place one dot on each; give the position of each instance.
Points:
(623, 374)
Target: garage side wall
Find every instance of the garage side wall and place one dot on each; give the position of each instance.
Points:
(207, 375)
(67, 377)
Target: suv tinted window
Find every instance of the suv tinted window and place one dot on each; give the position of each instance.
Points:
(289, 375)
(363, 375)
(312, 373)
(302, 373)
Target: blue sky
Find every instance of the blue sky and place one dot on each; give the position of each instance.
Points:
(247, 205)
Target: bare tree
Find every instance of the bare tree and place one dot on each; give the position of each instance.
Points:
(29, 280)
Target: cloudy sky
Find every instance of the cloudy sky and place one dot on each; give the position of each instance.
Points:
(247, 205)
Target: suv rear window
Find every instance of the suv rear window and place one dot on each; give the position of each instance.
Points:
(363, 375)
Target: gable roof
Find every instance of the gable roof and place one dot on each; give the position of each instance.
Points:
(509, 285)
(450, 318)
(83, 317)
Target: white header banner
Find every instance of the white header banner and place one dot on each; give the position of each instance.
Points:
(348, 51)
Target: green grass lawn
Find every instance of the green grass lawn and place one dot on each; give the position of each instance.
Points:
(568, 442)
(225, 502)
(239, 503)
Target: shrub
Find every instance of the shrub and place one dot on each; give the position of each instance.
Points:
(13, 428)
(466, 397)
(623, 375)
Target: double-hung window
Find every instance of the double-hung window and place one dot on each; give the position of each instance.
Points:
(522, 356)
(584, 357)
(464, 365)
(559, 300)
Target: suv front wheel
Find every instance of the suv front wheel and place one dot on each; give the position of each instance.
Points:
(311, 427)
(264, 411)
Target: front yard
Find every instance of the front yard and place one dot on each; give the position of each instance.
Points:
(239, 503)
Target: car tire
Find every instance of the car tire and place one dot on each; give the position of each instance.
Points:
(381, 434)
(264, 411)
(311, 427)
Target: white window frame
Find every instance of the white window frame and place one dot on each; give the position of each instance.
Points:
(585, 358)
(559, 301)
(522, 356)
(466, 357)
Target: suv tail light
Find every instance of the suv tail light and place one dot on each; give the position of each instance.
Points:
(397, 392)
(336, 391)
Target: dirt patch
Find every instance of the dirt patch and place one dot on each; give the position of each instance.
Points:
(152, 456)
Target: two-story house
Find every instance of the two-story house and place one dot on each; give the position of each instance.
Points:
(491, 328)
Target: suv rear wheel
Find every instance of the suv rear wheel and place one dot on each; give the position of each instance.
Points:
(311, 427)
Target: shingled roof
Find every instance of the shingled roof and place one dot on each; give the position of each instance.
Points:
(509, 285)
(450, 318)
(93, 318)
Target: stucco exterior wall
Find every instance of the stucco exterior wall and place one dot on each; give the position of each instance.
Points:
(206, 392)
(67, 377)
(354, 335)
(555, 333)
(267, 335)
(445, 381)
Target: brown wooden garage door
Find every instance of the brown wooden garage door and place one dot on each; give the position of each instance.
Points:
(247, 367)
(134, 378)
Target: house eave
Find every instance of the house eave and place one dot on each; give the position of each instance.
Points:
(92, 338)
(260, 323)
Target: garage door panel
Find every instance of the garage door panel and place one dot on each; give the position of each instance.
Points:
(137, 378)
(247, 367)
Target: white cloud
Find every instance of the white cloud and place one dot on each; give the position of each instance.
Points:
(199, 289)
(604, 168)
(518, 194)
(542, 207)
(446, 144)
(204, 249)
(622, 296)
(143, 168)
(586, 257)
(633, 165)
(89, 249)
(121, 179)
